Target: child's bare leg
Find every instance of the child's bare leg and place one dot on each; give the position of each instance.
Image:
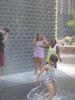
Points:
(40, 63)
(51, 90)
(36, 64)
(44, 96)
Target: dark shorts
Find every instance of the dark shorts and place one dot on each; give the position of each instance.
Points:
(1, 59)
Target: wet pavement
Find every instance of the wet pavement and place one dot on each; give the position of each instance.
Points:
(17, 86)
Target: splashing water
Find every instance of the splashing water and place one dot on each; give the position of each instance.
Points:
(38, 92)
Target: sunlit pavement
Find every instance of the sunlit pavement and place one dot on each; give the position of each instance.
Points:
(66, 82)
(17, 86)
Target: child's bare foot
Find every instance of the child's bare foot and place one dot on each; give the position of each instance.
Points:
(46, 95)
(41, 98)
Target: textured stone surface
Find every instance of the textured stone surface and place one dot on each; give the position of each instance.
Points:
(67, 49)
(25, 18)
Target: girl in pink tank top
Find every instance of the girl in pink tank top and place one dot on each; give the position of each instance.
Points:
(38, 53)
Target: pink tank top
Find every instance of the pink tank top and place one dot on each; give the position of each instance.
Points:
(38, 44)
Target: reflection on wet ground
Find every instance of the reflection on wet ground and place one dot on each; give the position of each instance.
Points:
(16, 87)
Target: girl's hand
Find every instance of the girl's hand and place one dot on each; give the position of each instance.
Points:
(35, 80)
(44, 37)
(35, 38)
(34, 41)
(45, 41)
(54, 80)
(5, 38)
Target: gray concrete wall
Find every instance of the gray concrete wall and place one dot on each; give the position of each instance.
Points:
(25, 18)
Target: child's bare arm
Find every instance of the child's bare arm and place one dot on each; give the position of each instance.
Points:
(38, 75)
(34, 41)
(44, 96)
(5, 39)
(45, 40)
